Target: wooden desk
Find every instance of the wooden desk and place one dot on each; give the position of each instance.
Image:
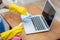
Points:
(12, 18)
(53, 34)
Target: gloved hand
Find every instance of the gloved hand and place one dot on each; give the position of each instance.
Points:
(16, 31)
(26, 18)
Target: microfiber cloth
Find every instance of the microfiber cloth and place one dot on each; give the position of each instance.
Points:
(26, 18)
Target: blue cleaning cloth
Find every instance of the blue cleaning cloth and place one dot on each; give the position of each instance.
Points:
(26, 18)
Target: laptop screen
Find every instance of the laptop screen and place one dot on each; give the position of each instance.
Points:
(48, 13)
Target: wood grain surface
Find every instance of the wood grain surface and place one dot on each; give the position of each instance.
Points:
(12, 18)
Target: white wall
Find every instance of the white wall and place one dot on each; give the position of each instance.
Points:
(57, 5)
(24, 2)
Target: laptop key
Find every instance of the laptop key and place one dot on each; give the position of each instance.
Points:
(37, 23)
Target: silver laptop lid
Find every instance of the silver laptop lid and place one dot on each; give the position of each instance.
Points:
(48, 12)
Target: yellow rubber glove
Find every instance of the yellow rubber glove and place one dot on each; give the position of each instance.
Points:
(11, 33)
(18, 9)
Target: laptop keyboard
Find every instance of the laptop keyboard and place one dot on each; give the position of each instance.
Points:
(37, 23)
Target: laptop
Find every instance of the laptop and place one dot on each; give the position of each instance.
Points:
(42, 22)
